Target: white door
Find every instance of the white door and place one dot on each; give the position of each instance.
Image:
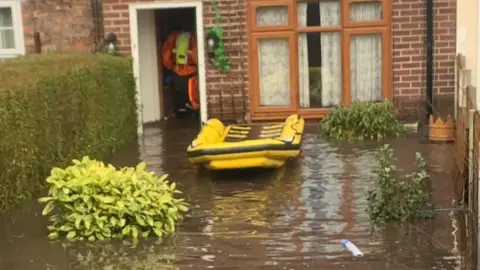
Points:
(148, 66)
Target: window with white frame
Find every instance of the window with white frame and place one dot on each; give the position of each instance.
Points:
(11, 29)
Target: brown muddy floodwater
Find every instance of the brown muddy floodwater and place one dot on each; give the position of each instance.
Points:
(291, 218)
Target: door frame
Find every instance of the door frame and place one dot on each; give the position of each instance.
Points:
(133, 9)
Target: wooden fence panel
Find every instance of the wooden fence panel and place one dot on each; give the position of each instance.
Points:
(476, 158)
(461, 151)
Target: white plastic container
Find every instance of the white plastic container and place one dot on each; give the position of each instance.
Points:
(351, 247)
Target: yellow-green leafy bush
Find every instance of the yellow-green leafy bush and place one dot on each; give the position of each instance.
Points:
(56, 107)
(96, 201)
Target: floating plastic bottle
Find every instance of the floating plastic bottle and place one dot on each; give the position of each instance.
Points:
(351, 247)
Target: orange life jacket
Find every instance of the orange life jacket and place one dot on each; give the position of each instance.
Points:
(174, 56)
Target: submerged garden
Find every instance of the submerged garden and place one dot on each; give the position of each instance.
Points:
(395, 197)
(63, 115)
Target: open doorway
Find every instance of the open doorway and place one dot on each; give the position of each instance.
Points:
(178, 58)
(168, 61)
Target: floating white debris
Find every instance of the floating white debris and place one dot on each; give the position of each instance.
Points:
(351, 247)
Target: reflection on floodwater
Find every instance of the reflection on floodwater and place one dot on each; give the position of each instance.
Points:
(290, 218)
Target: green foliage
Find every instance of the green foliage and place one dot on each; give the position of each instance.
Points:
(362, 120)
(221, 61)
(96, 202)
(399, 199)
(55, 107)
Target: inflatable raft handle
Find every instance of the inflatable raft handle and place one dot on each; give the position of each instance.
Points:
(296, 131)
(288, 142)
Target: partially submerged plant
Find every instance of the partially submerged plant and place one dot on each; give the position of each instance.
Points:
(362, 120)
(96, 201)
(396, 198)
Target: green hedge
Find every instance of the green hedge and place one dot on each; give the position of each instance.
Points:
(57, 107)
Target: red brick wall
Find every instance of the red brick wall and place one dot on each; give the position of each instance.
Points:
(116, 20)
(64, 25)
(409, 55)
(231, 88)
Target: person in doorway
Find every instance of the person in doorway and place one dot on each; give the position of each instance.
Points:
(179, 55)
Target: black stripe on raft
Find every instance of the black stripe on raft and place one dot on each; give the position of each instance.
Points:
(243, 149)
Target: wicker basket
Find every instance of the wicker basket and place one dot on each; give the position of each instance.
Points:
(440, 131)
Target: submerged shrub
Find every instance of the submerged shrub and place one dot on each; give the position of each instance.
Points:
(94, 201)
(399, 198)
(55, 107)
(362, 120)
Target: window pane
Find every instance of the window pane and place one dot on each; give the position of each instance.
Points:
(268, 16)
(320, 69)
(274, 71)
(322, 13)
(6, 17)
(7, 39)
(366, 67)
(365, 11)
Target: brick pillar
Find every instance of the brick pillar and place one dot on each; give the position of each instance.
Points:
(409, 53)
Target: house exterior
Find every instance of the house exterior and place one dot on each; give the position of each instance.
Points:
(287, 56)
(63, 26)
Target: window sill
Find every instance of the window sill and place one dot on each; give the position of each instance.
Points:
(6, 56)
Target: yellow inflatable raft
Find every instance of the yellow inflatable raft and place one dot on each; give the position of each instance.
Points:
(219, 147)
